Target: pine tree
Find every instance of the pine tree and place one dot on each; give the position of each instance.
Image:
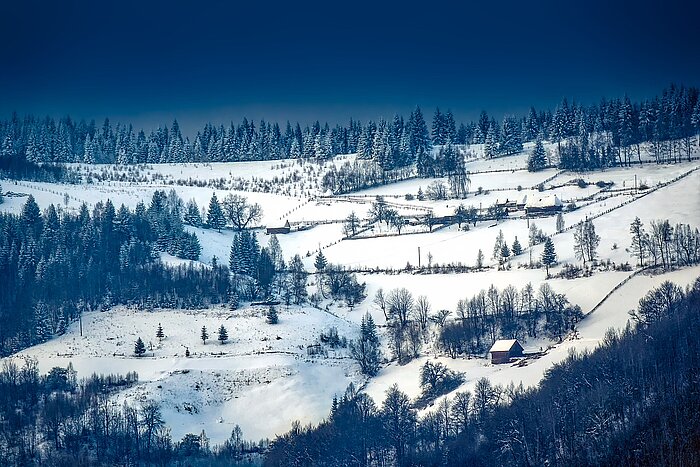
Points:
(321, 262)
(491, 142)
(505, 251)
(480, 259)
(538, 158)
(275, 250)
(223, 335)
(498, 246)
(192, 216)
(438, 132)
(215, 216)
(271, 316)
(549, 255)
(297, 283)
(511, 139)
(366, 350)
(233, 300)
(517, 248)
(159, 333)
(204, 335)
(139, 348)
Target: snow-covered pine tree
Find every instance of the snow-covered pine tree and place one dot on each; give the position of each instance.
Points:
(491, 142)
(204, 335)
(192, 216)
(538, 158)
(517, 248)
(366, 350)
(271, 316)
(549, 255)
(438, 130)
(320, 263)
(139, 348)
(159, 333)
(215, 215)
(498, 246)
(223, 335)
(511, 139)
(505, 251)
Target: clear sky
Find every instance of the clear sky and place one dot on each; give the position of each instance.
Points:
(148, 62)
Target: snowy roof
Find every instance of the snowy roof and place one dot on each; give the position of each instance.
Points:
(543, 201)
(503, 345)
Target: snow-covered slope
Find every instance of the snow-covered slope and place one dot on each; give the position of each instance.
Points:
(263, 378)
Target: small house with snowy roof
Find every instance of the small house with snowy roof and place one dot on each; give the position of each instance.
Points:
(543, 204)
(504, 349)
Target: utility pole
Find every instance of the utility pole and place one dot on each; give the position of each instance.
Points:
(418, 257)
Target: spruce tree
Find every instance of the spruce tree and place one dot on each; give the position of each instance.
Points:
(233, 300)
(498, 246)
(491, 142)
(549, 255)
(139, 348)
(505, 251)
(321, 262)
(223, 335)
(517, 248)
(192, 216)
(215, 215)
(366, 350)
(204, 335)
(538, 159)
(480, 259)
(271, 316)
(159, 333)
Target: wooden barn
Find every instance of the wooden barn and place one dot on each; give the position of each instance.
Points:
(543, 204)
(279, 230)
(503, 350)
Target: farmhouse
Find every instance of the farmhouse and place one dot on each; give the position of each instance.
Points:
(502, 350)
(543, 204)
(279, 230)
(509, 205)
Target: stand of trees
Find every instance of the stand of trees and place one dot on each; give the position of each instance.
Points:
(665, 245)
(55, 265)
(59, 420)
(588, 137)
(629, 402)
(510, 314)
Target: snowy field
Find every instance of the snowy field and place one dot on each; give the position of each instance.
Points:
(263, 378)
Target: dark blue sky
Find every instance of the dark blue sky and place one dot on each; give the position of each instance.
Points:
(220, 60)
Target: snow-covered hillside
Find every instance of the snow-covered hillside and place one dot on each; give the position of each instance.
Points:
(264, 378)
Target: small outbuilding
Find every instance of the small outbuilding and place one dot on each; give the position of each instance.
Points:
(503, 350)
(279, 230)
